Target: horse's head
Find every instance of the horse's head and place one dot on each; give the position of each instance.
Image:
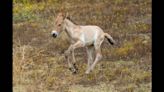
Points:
(58, 25)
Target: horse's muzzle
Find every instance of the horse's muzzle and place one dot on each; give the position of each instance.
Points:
(54, 35)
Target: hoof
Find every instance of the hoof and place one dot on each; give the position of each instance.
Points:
(75, 72)
(87, 72)
(74, 65)
(70, 69)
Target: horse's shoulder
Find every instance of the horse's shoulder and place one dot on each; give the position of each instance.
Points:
(77, 28)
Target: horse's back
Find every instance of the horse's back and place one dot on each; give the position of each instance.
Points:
(92, 28)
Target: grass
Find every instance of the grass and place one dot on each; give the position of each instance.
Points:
(38, 61)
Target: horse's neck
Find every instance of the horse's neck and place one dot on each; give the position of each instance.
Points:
(69, 26)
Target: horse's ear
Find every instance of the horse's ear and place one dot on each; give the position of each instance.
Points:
(63, 14)
(60, 14)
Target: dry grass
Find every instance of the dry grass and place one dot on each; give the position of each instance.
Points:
(38, 62)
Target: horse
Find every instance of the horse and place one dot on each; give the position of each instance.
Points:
(88, 36)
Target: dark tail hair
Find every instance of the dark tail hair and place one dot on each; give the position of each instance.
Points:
(109, 38)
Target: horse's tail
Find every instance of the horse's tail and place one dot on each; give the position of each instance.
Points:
(110, 39)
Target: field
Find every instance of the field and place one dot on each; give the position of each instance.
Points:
(38, 61)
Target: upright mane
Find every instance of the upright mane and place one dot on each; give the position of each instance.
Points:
(71, 20)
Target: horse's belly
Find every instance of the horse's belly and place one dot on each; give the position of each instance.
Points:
(87, 40)
(89, 43)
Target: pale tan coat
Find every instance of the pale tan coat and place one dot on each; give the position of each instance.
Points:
(88, 36)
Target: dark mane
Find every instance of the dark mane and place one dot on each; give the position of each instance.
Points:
(71, 20)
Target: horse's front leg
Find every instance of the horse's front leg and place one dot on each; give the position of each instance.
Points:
(69, 63)
(67, 56)
(74, 60)
(73, 56)
(70, 51)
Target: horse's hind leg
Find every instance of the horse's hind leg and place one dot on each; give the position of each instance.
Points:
(90, 55)
(98, 55)
(98, 58)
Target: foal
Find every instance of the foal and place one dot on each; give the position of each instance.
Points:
(89, 36)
